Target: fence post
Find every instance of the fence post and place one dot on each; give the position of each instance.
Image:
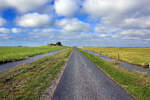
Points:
(118, 56)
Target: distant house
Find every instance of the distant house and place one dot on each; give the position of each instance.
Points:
(57, 44)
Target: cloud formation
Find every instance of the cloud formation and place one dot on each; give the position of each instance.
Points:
(16, 30)
(130, 16)
(141, 22)
(66, 7)
(78, 20)
(116, 12)
(4, 30)
(105, 29)
(73, 25)
(34, 20)
(143, 34)
(23, 5)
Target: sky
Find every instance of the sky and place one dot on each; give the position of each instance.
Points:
(124, 23)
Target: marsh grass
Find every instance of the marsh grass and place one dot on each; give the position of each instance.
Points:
(28, 81)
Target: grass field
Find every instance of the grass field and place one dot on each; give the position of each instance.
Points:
(136, 83)
(17, 53)
(28, 81)
(138, 56)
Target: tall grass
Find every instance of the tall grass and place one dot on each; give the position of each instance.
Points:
(17, 53)
(138, 56)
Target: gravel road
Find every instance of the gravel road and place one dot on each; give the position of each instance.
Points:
(82, 80)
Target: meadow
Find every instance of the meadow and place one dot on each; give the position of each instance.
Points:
(133, 55)
(29, 81)
(8, 54)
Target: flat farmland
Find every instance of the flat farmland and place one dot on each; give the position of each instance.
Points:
(17, 53)
(133, 55)
(29, 81)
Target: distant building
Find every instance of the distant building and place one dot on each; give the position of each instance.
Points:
(57, 44)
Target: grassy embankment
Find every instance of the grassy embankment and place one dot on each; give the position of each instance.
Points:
(28, 81)
(136, 83)
(17, 53)
(137, 56)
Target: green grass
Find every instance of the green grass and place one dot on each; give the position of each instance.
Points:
(136, 83)
(18, 53)
(138, 56)
(28, 81)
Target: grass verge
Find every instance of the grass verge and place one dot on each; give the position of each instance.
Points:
(28, 81)
(136, 83)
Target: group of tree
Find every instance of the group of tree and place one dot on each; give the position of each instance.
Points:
(57, 44)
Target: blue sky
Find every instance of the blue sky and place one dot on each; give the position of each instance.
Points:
(122, 23)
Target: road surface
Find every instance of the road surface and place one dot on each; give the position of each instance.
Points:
(82, 80)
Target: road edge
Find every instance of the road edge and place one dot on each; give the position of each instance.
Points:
(109, 76)
(48, 93)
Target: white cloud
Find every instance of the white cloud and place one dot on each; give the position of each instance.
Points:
(103, 35)
(3, 4)
(105, 29)
(142, 34)
(4, 36)
(73, 36)
(42, 33)
(2, 21)
(114, 12)
(12, 30)
(106, 7)
(120, 19)
(142, 22)
(16, 30)
(34, 20)
(73, 25)
(4, 30)
(125, 19)
(24, 5)
(44, 30)
(66, 7)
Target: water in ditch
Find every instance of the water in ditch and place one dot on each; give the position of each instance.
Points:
(6, 66)
(122, 64)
